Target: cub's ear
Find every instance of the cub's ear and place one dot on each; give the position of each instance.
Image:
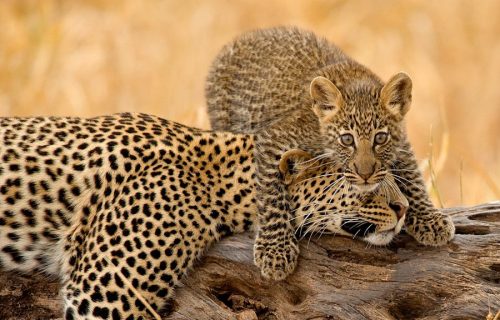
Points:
(327, 98)
(293, 165)
(396, 95)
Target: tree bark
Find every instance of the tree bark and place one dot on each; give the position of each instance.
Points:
(337, 278)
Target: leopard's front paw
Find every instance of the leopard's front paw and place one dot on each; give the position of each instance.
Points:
(434, 229)
(276, 258)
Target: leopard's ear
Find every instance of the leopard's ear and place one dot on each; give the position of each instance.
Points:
(293, 165)
(396, 95)
(327, 99)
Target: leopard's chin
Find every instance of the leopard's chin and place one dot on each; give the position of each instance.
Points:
(380, 238)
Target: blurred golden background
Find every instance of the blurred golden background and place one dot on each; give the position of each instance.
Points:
(86, 58)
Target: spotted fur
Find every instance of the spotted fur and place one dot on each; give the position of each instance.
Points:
(296, 90)
(120, 206)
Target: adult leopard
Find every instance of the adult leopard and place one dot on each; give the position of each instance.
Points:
(120, 206)
(296, 90)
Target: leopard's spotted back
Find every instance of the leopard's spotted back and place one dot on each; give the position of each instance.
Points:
(146, 194)
(120, 206)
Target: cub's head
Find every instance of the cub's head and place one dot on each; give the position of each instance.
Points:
(322, 202)
(361, 123)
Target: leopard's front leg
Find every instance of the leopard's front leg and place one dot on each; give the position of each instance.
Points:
(427, 224)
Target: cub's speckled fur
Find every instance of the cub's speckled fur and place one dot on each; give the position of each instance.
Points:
(120, 206)
(295, 90)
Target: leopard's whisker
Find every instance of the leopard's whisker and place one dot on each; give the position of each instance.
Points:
(313, 200)
(355, 235)
(403, 170)
(320, 156)
(320, 176)
(332, 163)
(313, 227)
(399, 178)
(392, 185)
(404, 151)
(401, 182)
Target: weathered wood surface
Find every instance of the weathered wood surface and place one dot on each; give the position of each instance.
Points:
(337, 278)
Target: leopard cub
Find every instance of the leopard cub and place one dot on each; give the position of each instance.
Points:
(293, 89)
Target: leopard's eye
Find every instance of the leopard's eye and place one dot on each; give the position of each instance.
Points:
(381, 138)
(347, 139)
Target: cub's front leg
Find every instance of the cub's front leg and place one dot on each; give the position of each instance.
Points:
(427, 224)
(276, 249)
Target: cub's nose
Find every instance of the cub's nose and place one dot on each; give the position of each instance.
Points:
(399, 209)
(365, 172)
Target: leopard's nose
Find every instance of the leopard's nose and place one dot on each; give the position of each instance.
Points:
(399, 209)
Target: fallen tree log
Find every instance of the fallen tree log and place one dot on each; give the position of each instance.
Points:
(337, 278)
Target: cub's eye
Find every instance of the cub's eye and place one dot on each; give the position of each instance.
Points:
(381, 138)
(347, 139)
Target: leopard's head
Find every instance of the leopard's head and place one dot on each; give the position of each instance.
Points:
(321, 202)
(361, 122)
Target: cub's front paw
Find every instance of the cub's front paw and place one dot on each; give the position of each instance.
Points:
(433, 229)
(276, 258)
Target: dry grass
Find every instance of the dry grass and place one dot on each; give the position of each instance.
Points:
(490, 316)
(103, 56)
